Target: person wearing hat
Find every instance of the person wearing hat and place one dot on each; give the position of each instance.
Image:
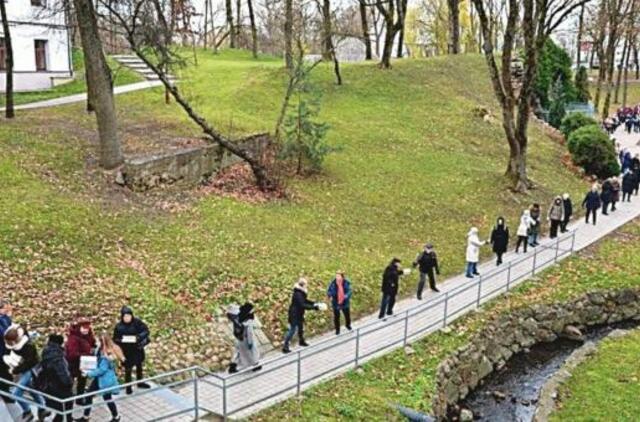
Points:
(427, 261)
(247, 348)
(299, 305)
(568, 212)
(5, 323)
(80, 342)
(132, 336)
(390, 286)
(339, 293)
(592, 203)
(500, 239)
(57, 377)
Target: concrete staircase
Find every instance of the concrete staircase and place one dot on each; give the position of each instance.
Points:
(134, 63)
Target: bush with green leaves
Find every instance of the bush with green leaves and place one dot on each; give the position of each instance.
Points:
(557, 109)
(553, 63)
(591, 149)
(575, 121)
(583, 94)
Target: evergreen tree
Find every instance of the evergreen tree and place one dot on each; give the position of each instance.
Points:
(557, 97)
(582, 85)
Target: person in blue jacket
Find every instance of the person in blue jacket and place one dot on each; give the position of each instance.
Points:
(104, 377)
(5, 323)
(339, 293)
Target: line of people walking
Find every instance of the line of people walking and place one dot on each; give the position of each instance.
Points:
(76, 358)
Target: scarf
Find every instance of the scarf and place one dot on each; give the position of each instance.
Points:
(340, 285)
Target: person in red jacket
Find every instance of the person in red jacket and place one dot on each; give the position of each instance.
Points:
(80, 342)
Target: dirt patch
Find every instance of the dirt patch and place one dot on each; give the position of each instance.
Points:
(238, 182)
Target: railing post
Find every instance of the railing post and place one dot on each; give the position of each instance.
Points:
(196, 404)
(406, 326)
(446, 307)
(479, 292)
(224, 399)
(573, 240)
(557, 250)
(535, 256)
(357, 347)
(298, 387)
(509, 276)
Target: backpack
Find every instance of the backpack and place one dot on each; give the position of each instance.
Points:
(238, 328)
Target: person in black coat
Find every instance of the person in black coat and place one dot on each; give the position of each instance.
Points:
(606, 196)
(427, 261)
(628, 185)
(500, 239)
(390, 285)
(299, 305)
(56, 377)
(568, 212)
(132, 336)
(592, 204)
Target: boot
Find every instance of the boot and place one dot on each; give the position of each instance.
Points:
(43, 414)
(285, 348)
(303, 343)
(233, 368)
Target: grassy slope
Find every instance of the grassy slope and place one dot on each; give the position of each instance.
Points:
(607, 384)
(409, 380)
(122, 76)
(415, 166)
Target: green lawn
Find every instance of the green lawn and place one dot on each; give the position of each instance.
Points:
(410, 379)
(415, 165)
(607, 384)
(121, 75)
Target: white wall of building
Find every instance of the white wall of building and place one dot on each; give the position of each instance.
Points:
(30, 23)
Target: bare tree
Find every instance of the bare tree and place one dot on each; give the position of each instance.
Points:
(9, 111)
(539, 19)
(254, 30)
(288, 34)
(392, 12)
(454, 26)
(579, 37)
(230, 26)
(365, 29)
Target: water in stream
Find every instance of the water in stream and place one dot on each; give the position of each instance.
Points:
(522, 378)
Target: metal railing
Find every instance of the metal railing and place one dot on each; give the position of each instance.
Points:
(230, 394)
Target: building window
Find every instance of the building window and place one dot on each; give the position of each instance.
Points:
(3, 55)
(41, 54)
(40, 3)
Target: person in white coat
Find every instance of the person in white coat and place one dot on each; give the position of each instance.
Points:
(473, 252)
(247, 349)
(523, 230)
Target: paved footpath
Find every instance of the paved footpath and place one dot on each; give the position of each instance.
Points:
(283, 376)
(78, 98)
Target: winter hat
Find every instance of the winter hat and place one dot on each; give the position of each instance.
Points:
(395, 261)
(472, 231)
(125, 310)
(56, 339)
(233, 309)
(246, 311)
(428, 246)
(301, 284)
(565, 196)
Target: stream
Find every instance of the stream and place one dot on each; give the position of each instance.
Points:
(511, 394)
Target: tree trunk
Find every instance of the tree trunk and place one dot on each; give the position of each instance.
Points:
(387, 48)
(288, 34)
(636, 61)
(626, 77)
(365, 29)
(100, 84)
(579, 38)
(623, 59)
(453, 45)
(326, 30)
(206, 22)
(9, 111)
(232, 32)
(238, 19)
(402, 14)
(254, 30)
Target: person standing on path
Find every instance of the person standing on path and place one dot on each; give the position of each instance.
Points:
(80, 342)
(568, 212)
(615, 192)
(5, 322)
(339, 293)
(605, 196)
(635, 169)
(523, 230)
(390, 286)
(473, 252)
(628, 185)
(555, 216)
(131, 335)
(299, 305)
(57, 378)
(500, 239)
(534, 214)
(247, 349)
(427, 261)
(592, 204)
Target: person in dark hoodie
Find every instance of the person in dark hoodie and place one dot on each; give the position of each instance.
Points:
(500, 239)
(568, 212)
(592, 204)
(132, 336)
(427, 261)
(628, 185)
(22, 361)
(57, 378)
(5, 323)
(390, 286)
(80, 342)
(605, 196)
(299, 305)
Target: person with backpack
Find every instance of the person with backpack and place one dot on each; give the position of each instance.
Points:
(339, 293)
(23, 361)
(299, 305)
(247, 348)
(5, 322)
(500, 239)
(390, 287)
(104, 377)
(80, 342)
(55, 378)
(131, 335)
(568, 212)
(591, 203)
(427, 261)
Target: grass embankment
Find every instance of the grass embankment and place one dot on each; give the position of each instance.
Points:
(121, 76)
(607, 384)
(415, 166)
(410, 379)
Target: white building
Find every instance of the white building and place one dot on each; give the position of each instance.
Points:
(41, 45)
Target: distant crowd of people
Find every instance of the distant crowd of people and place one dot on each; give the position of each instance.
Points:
(76, 358)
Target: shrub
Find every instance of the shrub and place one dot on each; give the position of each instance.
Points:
(575, 121)
(553, 63)
(582, 85)
(591, 149)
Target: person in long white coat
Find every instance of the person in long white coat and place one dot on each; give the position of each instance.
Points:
(473, 252)
(247, 348)
(523, 230)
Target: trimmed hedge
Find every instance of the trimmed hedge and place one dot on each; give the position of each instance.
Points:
(575, 121)
(591, 148)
